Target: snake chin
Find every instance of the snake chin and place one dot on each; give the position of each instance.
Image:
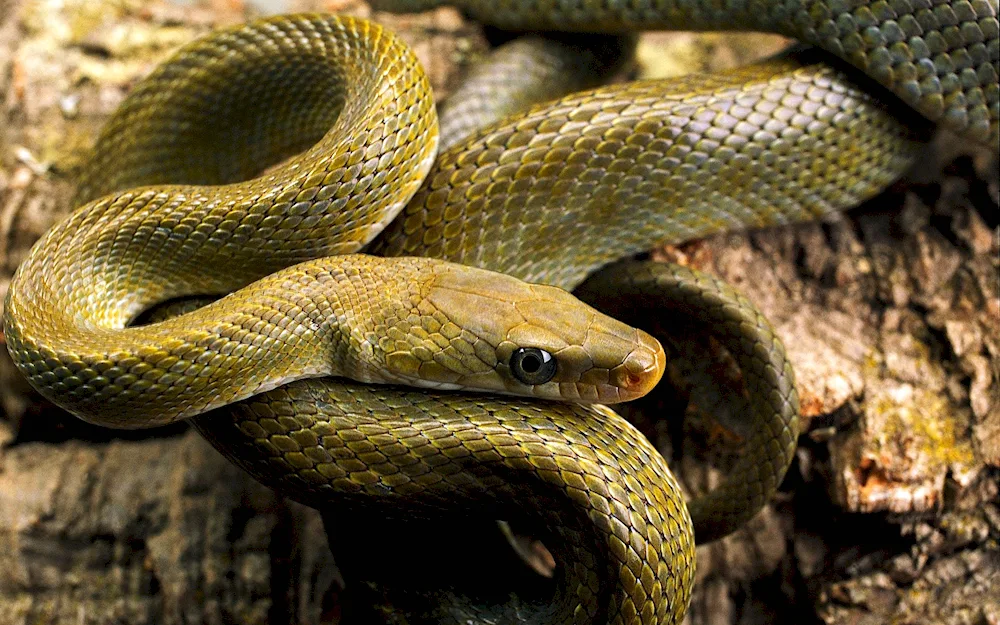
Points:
(437, 386)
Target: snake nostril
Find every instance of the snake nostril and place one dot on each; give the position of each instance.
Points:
(643, 368)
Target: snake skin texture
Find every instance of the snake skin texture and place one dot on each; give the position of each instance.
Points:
(528, 70)
(545, 195)
(941, 57)
(688, 157)
(612, 512)
(68, 355)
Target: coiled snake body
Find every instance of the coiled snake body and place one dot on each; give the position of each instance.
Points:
(546, 195)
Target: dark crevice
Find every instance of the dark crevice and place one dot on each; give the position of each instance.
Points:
(283, 554)
(978, 195)
(45, 423)
(855, 543)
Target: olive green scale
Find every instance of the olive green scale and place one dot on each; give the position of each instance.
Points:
(941, 57)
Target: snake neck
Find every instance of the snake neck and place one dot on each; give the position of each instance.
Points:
(416, 321)
(316, 318)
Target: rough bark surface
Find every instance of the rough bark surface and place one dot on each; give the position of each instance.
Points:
(891, 316)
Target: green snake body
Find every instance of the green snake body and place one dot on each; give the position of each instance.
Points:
(709, 147)
(547, 195)
(938, 56)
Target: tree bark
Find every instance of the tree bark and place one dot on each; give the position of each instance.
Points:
(890, 315)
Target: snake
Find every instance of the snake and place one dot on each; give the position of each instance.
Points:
(364, 256)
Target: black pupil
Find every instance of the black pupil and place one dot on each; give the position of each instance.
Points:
(531, 365)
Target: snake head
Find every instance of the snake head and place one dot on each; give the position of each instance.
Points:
(480, 330)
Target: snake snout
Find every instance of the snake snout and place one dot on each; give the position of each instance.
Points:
(641, 370)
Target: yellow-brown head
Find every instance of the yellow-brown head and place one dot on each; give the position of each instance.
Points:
(479, 330)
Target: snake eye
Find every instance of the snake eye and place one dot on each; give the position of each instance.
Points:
(532, 365)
